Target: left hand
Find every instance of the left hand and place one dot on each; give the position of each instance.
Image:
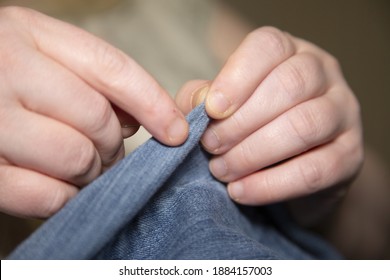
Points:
(287, 124)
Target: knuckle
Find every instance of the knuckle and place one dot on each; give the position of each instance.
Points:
(292, 79)
(104, 130)
(300, 76)
(84, 160)
(312, 175)
(246, 155)
(275, 40)
(238, 122)
(101, 112)
(303, 122)
(332, 62)
(114, 156)
(112, 63)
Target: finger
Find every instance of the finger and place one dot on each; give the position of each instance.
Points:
(112, 73)
(55, 92)
(192, 94)
(298, 79)
(259, 53)
(30, 194)
(303, 127)
(303, 175)
(47, 146)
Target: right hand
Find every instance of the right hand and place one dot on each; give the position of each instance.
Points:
(63, 96)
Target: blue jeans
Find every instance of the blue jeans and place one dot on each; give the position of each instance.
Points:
(162, 203)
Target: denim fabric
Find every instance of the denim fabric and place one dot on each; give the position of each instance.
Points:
(162, 203)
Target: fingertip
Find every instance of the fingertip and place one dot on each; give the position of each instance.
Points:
(177, 131)
(245, 194)
(236, 191)
(219, 168)
(211, 142)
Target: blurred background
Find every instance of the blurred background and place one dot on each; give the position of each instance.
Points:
(356, 32)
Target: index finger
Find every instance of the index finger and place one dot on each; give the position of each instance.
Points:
(110, 71)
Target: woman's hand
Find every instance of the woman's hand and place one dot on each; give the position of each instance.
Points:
(286, 123)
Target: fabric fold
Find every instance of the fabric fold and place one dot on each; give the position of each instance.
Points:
(162, 202)
(101, 209)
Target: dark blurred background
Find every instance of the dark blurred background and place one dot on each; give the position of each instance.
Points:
(357, 33)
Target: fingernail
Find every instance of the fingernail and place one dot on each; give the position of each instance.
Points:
(177, 130)
(199, 96)
(218, 167)
(218, 103)
(236, 190)
(210, 140)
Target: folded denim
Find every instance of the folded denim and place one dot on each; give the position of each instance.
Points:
(162, 202)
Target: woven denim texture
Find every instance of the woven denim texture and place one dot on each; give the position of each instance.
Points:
(162, 203)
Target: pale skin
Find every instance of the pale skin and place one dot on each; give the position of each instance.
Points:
(287, 124)
(60, 93)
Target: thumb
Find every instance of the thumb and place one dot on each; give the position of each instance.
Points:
(192, 94)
